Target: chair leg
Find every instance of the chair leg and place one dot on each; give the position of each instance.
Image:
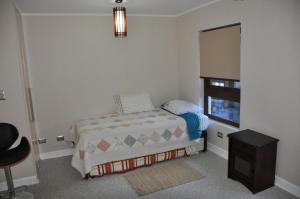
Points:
(10, 183)
(12, 193)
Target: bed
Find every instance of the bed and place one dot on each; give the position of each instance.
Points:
(116, 143)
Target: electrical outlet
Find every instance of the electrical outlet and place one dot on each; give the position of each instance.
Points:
(42, 140)
(220, 135)
(60, 138)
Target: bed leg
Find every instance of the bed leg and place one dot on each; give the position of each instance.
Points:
(204, 135)
(87, 176)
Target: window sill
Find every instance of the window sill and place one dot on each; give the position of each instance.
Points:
(224, 125)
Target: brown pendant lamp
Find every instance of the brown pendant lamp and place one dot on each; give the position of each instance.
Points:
(120, 21)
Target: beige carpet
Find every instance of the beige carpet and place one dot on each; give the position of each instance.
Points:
(161, 176)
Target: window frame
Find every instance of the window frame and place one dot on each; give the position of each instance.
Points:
(224, 93)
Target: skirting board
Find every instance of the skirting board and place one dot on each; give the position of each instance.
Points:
(217, 150)
(20, 182)
(56, 154)
(279, 182)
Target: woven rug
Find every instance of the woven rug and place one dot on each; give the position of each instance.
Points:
(161, 176)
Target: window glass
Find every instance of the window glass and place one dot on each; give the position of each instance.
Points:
(225, 109)
(225, 83)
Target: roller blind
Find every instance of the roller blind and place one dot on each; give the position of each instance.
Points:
(220, 52)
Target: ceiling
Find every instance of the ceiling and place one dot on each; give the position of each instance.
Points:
(134, 7)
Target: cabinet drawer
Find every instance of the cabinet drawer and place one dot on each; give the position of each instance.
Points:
(242, 147)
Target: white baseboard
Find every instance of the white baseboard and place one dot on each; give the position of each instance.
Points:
(287, 186)
(217, 150)
(20, 182)
(279, 182)
(56, 154)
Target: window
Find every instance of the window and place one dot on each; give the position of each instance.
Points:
(222, 100)
(220, 69)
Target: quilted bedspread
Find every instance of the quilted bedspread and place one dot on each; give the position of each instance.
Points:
(112, 137)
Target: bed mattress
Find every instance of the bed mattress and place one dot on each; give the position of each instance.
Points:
(102, 139)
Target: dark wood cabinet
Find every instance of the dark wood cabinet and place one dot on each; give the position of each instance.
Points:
(252, 159)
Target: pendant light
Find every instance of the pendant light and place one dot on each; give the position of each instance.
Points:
(120, 22)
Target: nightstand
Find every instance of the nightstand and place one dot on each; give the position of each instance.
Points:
(252, 159)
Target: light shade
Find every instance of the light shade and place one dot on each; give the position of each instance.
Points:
(120, 23)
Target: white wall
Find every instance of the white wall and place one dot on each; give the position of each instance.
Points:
(270, 69)
(13, 110)
(77, 65)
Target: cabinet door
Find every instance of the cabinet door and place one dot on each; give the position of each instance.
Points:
(242, 167)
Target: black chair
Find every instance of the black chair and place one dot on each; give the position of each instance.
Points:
(12, 156)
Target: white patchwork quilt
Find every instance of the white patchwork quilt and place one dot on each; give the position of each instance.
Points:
(112, 137)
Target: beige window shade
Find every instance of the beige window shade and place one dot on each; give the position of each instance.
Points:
(220, 53)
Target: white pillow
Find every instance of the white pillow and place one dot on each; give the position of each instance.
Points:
(136, 103)
(179, 107)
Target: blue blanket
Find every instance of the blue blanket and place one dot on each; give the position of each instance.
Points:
(193, 125)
